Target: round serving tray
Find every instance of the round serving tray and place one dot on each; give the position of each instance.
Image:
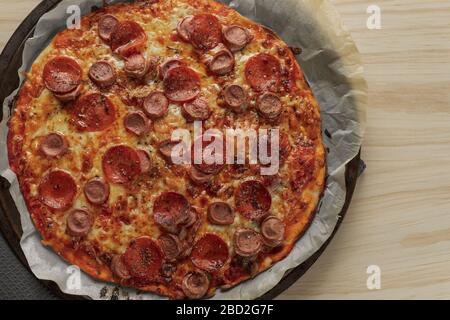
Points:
(10, 62)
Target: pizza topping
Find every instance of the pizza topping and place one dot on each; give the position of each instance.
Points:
(128, 38)
(181, 84)
(102, 73)
(166, 146)
(199, 177)
(197, 110)
(269, 106)
(191, 218)
(69, 96)
(169, 64)
(144, 160)
(184, 28)
(170, 245)
(79, 223)
(58, 189)
(236, 37)
(234, 96)
(220, 213)
(170, 210)
(93, 112)
(118, 268)
(222, 63)
(252, 199)
(209, 253)
(143, 258)
(156, 105)
(53, 145)
(136, 66)
(96, 191)
(263, 72)
(205, 31)
(195, 284)
(213, 160)
(106, 26)
(247, 242)
(137, 122)
(272, 230)
(62, 75)
(121, 164)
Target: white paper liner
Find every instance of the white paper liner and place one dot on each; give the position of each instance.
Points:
(332, 66)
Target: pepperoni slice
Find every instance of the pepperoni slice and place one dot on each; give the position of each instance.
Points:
(170, 245)
(197, 110)
(143, 258)
(69, 96)
(93, 112)
(169, 64)
(184, 28)
(145, 161)
(252, 199)
(156, 105)
(53, 145)
(209, 253)
(137, 123)
(209, 163)
(118, 268)
(247, 242)
(263, 72)
(234, 96)
(62, 75)
(269, 106)
(205, 31)
(58, 189)
(236, 37)
(106, 26)
(128, 38)
(220, 213)
(121, 164)
(170, 210)
(96, 191)
(199, 177)
(136, 66)
(195, 284)
(181, 84)
(272, 230)
(222, 63)
(79, 223)
(102, 73)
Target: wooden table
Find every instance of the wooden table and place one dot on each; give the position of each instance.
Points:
(399, 219)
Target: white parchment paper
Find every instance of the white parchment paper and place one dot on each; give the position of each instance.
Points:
(332, 66)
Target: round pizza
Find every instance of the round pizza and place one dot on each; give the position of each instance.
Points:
(109, 109)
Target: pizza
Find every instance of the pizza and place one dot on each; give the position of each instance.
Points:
(91, 142)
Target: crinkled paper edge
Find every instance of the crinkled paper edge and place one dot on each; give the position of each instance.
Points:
(333, 68)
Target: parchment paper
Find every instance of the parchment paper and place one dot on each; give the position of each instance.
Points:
(332, 65)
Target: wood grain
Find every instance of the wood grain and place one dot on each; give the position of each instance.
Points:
(400, 216)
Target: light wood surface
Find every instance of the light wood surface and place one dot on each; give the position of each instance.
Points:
(400, 215)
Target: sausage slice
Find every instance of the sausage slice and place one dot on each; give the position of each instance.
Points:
(247, 242)
(220, 213)
(236, 37)
(137, 123)
(272, 230)
(102, 73)
(79, 223)
(53, 145)
(195, 284)
(96, 191)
